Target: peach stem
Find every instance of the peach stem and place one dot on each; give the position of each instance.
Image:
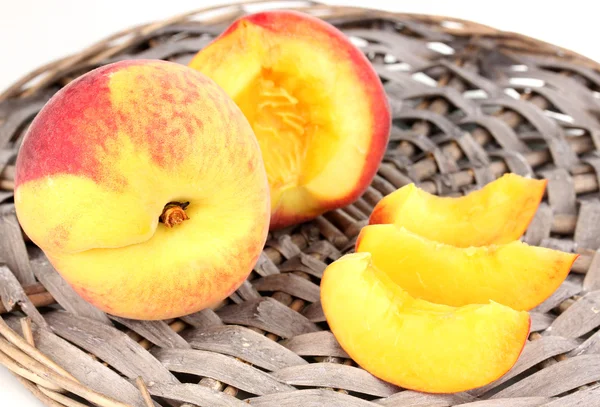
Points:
(174, 214)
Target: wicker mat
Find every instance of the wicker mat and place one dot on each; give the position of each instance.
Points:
(469, 104)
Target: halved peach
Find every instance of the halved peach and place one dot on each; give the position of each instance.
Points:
(500, 212)
(413, 343)
(514, 274)
(315, 103)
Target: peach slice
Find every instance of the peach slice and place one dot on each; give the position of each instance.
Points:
(514, 274)
(413, 343)
(497, 213)
(315, 103)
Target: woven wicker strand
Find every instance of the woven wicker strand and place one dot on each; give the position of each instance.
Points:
(470, 103)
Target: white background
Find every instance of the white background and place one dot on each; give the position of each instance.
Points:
(33, 32)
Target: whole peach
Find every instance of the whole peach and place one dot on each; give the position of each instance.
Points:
(143, 183)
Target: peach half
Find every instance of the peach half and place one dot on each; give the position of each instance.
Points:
(143, 183)
(514, 274)
(500, 212)
(315, 103)
(413, 343)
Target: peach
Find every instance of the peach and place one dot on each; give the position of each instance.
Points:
(315, 103)
(413, 343)
(143, 183)
(514, 274)
(500, 212)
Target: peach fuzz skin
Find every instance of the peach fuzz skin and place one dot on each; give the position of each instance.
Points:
(413, 343)
(498, 213)
(513, 274)
(103, 158)
(315, 103)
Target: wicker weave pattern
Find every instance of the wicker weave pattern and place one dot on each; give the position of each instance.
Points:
(463, 115)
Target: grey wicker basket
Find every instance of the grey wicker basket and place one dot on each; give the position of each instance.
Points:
(469, 104)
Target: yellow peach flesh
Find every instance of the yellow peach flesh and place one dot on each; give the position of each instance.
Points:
(315, 104)
(413, 343)
(514, 274)
(497, 213)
